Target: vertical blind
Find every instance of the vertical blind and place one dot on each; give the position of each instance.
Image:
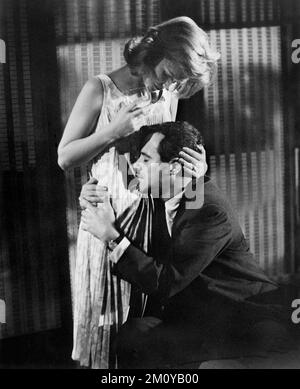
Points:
(244, 118)
(226, 13)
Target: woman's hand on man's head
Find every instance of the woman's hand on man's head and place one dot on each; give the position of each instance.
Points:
(194, 163)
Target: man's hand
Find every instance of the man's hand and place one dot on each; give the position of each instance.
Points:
(92, 192)
(99, 221)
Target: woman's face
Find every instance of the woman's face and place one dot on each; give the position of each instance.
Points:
(164, 75)
(171, 77)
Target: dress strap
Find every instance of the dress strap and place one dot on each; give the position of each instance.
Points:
(103, 78)
(111, 92)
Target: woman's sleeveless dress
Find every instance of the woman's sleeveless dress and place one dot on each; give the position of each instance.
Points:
(101, 300)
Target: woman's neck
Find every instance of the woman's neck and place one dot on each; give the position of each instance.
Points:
(124, 79)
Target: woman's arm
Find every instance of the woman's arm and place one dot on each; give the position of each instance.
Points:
(78, 144)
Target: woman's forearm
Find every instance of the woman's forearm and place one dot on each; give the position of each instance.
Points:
(82, 150)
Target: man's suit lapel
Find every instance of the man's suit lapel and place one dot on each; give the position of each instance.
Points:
(184, 213)
(178, 216)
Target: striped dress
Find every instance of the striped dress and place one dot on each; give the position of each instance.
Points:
(101, 300)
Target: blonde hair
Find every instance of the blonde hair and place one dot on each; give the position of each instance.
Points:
(182, 44)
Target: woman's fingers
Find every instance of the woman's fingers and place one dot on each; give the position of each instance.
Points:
(180, 90)
(197, 165)
(123, 107)
(183, 91)
(188, 157)
(195, 154)
(194, 162)
(137, 112)
(133, 106)
(141, 111)
(189, 172)
(186, 164)
(194, 88)
(202, 150)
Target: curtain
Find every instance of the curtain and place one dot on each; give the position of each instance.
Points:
(33, 262)
(244, 118)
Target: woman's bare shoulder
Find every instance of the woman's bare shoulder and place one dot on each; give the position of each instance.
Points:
(92, 91)
(94, 85)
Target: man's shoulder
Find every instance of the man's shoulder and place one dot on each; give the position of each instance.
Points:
(209, 212)
(212, 192)
(206, 207)
(206, 197)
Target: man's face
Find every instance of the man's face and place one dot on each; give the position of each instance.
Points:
(149, 169)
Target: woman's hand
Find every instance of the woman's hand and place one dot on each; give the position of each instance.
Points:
(187, 88)
(194, 162)
(92, 192)
(126, 120)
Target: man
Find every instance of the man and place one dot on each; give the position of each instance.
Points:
(206, 292)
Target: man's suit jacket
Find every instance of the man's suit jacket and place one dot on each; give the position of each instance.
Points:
(206, 255)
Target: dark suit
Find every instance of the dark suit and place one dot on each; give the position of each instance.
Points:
(204, 276)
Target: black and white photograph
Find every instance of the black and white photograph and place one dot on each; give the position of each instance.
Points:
(149, 187)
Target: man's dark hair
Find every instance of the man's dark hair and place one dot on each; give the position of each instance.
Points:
(177, 135)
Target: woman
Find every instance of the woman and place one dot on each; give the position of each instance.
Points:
(173, 57)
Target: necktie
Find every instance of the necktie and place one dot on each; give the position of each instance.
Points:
(161, 237)
(160, 246)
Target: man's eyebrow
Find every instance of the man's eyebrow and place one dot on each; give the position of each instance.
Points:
(145, 154)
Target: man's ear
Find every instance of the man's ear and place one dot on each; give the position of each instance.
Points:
(175, 166)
